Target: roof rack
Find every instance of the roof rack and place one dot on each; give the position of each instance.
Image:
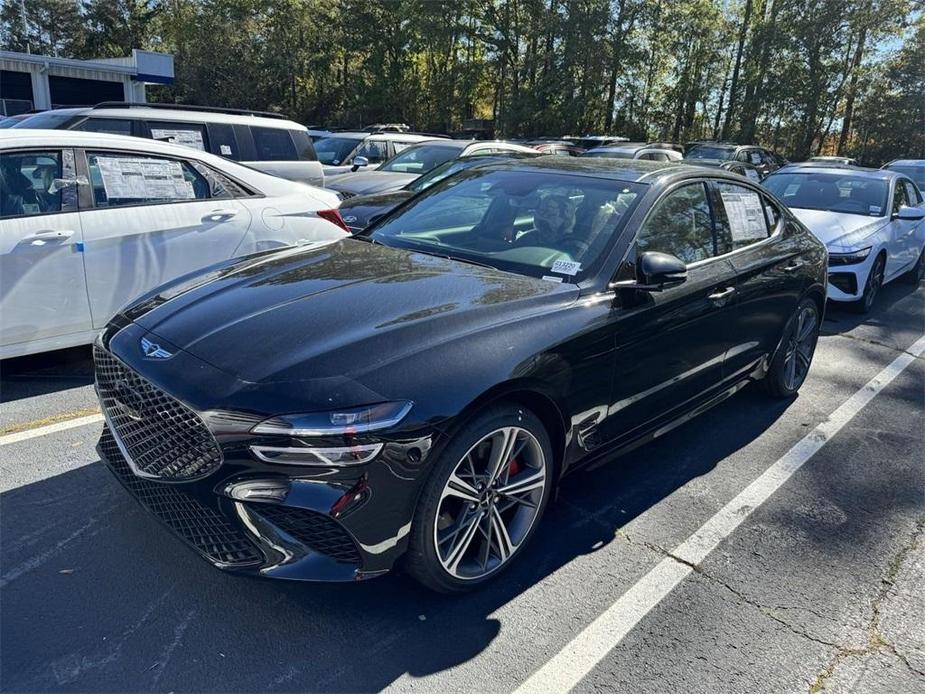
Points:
(190, 107)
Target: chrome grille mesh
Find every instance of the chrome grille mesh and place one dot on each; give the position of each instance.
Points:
(162, 437)
(200, 526)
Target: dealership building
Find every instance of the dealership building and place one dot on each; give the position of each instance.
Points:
(38, 82)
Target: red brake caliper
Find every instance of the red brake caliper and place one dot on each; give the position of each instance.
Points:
(513, 469)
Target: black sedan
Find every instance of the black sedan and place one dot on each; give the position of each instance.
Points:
(417, 392)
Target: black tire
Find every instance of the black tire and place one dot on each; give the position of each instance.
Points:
(422, 561)
(871, 287)
(780, 382)
(915, 275)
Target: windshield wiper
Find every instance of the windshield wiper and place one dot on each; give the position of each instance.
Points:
(451, 257)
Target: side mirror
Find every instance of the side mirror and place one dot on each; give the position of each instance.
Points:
(359, 161)
(911, 214)
(655, 272)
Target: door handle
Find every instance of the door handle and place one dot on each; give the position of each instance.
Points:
(793, 267)
(721, 295)
(40, 238)
(220, 215)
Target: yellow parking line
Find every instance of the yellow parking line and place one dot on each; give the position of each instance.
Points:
(22, 431)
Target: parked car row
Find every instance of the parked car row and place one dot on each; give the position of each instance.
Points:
(403, 367)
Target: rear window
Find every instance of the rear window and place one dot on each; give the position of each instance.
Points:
(832, 192)
(223, 142)
(916, 173)
(46, 121)
(710, 152)
(273, 144)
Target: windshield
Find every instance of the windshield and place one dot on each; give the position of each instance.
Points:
(916, 173)
(832, 192)
(45, 121)
(442, 171)
(420, 159)
(539, 224)
(710, 152)
(334, 150)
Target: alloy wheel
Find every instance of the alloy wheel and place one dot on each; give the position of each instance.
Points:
(490, 503)
(800, 348)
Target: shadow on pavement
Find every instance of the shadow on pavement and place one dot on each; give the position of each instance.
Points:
(50, 372)
(137, 610)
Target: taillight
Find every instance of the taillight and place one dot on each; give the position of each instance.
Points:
(334, 217)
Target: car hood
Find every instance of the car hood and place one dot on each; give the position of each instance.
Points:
(840, 231)
(336, 311)
(366, 182)
(358, 210)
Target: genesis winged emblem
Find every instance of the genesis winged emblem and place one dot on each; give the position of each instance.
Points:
(152, 350)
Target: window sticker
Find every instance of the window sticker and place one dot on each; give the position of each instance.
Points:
(566, 267)
(550, 278)
(875, 209)
(144, 179)
(225, 150)
(746, 216)
(188, 138)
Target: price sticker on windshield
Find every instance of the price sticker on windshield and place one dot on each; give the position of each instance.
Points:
(566, 267)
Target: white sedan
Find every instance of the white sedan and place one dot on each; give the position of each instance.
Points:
(89, 221)
(869, 219)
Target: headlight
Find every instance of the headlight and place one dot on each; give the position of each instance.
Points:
(356, 420)
(852, 258)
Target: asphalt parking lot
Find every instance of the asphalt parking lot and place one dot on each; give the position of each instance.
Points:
(818, 588)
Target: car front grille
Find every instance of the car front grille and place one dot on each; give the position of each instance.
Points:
(161, 436)
(200, 526)
(320, 533)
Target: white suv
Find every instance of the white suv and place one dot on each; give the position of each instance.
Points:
(90, 221)
(265, 141)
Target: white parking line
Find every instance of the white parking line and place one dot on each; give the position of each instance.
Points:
(570, 665)
(50, 429)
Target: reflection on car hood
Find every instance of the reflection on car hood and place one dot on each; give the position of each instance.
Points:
(838, 230)
(338, 311)
(366, 182)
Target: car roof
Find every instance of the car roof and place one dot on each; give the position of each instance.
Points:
(395, 137)
(906, 162)
(838, 170)
(78, 138)
(180, 114)
(627, 170)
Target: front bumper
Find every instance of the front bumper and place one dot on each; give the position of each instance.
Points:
(321, 524)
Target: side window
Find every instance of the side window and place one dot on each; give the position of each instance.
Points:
(222, 141)
(374, 150)
(187, 134)
(743, 156)
(899, 197)
(912, 193)
(305, 150)
(220, 185)
(755, 157)
(113, 126)
(26, 180)
(129, 179)
(681, 225)
(273, 144)
(399, 146)
(741, 216)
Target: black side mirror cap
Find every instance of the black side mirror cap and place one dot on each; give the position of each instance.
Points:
(654, 272)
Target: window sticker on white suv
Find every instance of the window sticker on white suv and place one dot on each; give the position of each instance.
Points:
(149, 179)
(746, 216)
(188, 138)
